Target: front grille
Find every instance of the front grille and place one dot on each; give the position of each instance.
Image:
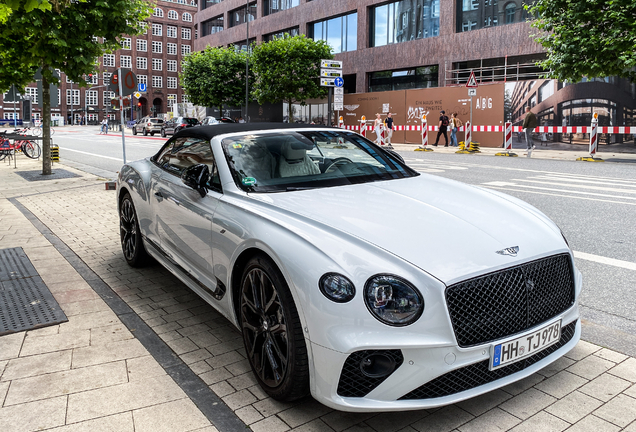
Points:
(478, 374)
(353, 383)
(510, 301)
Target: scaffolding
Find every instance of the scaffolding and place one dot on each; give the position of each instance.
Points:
(496, 73)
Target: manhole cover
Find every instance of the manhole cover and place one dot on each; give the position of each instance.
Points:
(57, 174)
(25, 301)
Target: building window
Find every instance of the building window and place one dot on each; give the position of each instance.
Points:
(33, 92)
(185, 49)
(107, 76)
(404, 20)
(341, 33)
(185, 99)
(469, 25)
(91, 79)
(125, 43)
(172, 82)
(294, 31)
(476, 14)
(144, 27)
(125, 61)
(546, 90)
(109, 60)
(212, 26)
(186, 17)
(157, 81)
(76, 97)
(273, 6)
(157, 64)
(171, 31)
(172, 48)
(158, 12)
(157, 30)
(142, 45)
(91, 97)
(108, 95)
(173, 15)
(414, 78)
(157, 47)
(142, 63)
(142, 79)
(172, 65)
(240, 16)
(171, 100)
(186, 33)
(510, 11)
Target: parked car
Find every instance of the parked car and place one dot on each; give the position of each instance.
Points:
(176, 124)
(210, 120)
(351, 275)
(148, 125)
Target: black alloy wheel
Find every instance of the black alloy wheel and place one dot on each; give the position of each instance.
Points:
(272, 332)
(131, 243)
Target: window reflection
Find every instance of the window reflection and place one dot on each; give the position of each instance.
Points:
(340, 33)
(404, 20)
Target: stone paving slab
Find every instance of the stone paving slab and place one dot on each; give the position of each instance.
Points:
(591, 389)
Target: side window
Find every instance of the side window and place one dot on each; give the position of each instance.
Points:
(186, 152)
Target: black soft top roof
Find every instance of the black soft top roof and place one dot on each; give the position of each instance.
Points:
(209, 132)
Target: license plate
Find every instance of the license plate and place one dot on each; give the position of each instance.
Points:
(517, 349)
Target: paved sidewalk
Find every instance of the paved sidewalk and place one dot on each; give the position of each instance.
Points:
(97, 372)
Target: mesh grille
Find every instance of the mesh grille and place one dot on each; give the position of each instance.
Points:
(478, 374)
(353, 383)
(501, 304)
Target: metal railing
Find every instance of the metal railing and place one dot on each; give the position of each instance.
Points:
(500, 73)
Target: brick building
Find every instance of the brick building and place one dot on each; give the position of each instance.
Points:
(154, 56)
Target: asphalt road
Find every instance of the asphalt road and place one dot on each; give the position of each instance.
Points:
(594, 204)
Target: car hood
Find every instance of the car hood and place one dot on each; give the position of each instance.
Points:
(446, 228)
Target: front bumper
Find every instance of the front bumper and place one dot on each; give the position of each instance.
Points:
(434, 376)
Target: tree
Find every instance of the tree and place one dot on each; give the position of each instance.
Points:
(64, 40)
(288, 69)
(593, 38)
(215, 77)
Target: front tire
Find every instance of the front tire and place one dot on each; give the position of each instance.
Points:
(272, 332)
(131, 242)
(134, 130)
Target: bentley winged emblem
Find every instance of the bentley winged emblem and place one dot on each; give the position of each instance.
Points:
(351, 107)
(512, 251)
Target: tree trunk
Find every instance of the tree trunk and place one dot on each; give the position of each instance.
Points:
(46, 124)
(291, 112)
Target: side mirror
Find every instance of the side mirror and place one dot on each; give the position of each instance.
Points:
(196, 177)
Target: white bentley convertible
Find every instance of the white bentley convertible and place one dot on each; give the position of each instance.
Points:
(351, 276)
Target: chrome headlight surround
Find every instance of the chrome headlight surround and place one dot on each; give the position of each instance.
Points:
(337, 288)
(393, 300)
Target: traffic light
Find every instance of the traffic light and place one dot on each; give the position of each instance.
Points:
(138, 104)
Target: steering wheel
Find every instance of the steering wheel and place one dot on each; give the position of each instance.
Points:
(337, 162)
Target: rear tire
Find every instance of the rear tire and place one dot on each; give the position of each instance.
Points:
(145, 132)
(31, 149)
(132, 244)
(272, 332)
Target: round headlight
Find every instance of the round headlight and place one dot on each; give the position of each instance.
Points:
(337, 288)
(393, 300)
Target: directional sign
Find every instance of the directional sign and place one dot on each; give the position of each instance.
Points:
(328, 82)
(338, 82)
(472, 92)
(472, 82)
(331, 64)
(128, 84)
(142, 87)
(331, 73)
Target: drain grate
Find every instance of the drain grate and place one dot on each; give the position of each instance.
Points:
(25, 301)
(57, 174)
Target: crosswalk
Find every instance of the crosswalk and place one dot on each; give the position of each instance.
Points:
(562, 185)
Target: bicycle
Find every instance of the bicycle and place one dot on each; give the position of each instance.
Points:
(30, 148)
(37, 130)
(103, 129)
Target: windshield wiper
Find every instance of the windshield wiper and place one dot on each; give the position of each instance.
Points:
(299, 188)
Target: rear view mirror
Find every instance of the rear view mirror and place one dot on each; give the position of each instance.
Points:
(196, 177)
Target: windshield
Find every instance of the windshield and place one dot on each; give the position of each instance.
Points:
(190, 121)
(156, 121)
(278, 162)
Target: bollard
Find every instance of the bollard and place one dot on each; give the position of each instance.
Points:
(363, 126)
(593, 142)
(467, 136)
(424, 146)
(55, 153)
(507, 141)
(340, 122)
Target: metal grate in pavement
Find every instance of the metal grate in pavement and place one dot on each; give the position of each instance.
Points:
(25, 301)
(36, 175)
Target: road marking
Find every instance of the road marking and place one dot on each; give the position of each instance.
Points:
(625, 183)
(94, 154)
(605, 260)
(509, 184)
(560, 195)
(599, 188)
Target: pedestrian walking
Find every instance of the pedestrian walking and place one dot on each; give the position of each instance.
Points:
(388, 123)
(443, 127)
(529, 123)
(455, 124)
(378, 126)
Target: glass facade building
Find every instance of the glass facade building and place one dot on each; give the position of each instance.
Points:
(341, 33)
(404, 21)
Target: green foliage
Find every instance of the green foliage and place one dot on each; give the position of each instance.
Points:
(593, 38)
(288, 69)
(215, 77)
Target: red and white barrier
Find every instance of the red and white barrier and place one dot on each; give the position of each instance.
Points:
(593, 136)
(424, 129)
(467, 136)
(340, 122)
(508, 136)
(363, 126)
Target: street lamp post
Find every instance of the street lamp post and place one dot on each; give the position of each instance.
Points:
(247, 57)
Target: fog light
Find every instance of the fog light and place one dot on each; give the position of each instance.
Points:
(377, 365)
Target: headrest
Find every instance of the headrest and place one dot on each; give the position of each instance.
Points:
(291, 154)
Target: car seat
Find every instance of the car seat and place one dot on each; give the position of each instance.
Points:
(256, 161)
(294, 161)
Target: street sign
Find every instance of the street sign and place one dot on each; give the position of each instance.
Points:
(328, 82)
(338, 82)
(137, 95)
(338, 91)
(472, 82)
(472, 92)
(331, 73)
(331, 64)
(338, 98)
(142, 87)
(13, 95)
(128, 82)
(338, 106)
